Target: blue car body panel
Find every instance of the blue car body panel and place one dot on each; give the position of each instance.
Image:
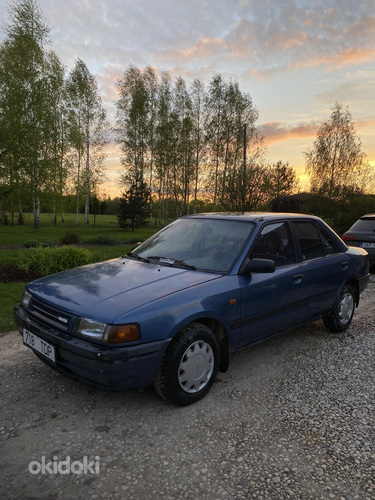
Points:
(162, 299)
(100, 291)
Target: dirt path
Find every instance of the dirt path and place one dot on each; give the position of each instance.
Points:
(292, 418)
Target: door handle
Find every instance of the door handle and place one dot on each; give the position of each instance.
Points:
(297, 278)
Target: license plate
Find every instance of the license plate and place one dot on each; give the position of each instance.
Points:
(366, 244)
(38, 344)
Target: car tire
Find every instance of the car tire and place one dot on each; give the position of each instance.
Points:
(342, 314)
(188, 368)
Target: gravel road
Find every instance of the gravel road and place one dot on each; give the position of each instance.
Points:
(293, 418)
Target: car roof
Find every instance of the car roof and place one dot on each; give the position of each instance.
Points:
(368, 216)
(252, 216)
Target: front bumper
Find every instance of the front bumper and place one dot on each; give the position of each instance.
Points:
(110, 368)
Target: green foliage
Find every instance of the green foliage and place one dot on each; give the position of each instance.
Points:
(21, 221)
(185, 138)
(88, 123)
(26, 103)
(134, 205)
(71, 237)
(10, 295)
(336, 164)
(48, 122)
(339, 214)
(31, 244)
(281, 180)
(105, 224)
(103, 239)
(45, 261)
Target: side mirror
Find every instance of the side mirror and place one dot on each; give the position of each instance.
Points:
(258, 266)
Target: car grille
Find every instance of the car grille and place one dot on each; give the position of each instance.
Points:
(51, 317)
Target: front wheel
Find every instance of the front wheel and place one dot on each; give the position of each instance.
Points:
(189, 366)
(342, 314)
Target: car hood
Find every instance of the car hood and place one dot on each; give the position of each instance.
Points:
(110, 289)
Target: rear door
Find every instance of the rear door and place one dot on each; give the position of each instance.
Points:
(324, 269)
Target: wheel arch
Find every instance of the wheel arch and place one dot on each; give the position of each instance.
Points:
(219, 330)
(355, 286)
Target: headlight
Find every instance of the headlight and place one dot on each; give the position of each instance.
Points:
(91, 328)
(26, 297)
(113, 334)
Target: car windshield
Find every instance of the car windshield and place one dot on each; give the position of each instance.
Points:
(198, 243)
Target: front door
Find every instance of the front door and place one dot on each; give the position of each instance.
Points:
(272, 302)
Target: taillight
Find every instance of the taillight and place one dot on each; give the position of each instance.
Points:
(348, 237)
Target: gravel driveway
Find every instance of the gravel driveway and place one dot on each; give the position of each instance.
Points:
(293, 418)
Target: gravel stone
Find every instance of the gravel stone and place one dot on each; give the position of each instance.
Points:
(293, 418)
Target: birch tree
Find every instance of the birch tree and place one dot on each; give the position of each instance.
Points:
(23, 102)
(88, 126)
(197, 97)
(335, 163)
(56, 129)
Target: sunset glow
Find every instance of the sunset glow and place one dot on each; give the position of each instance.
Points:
(295, 58)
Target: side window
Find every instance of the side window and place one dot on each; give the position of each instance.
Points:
(309, 240)
(329, 245)
(275, 242)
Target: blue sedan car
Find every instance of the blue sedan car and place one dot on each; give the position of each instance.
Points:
(171, 312)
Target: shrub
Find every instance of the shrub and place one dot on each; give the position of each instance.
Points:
(45, 261)
(21, 221)
(104, 239)
(31, 244)
(71, 237)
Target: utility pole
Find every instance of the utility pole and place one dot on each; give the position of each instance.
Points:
(244, 169)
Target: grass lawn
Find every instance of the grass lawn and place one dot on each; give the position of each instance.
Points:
(10, 293)
(105, 225)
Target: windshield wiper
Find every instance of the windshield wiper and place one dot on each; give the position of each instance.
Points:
(138, 257)
(172, 262)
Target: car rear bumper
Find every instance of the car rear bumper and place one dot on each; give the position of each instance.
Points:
(110, 368)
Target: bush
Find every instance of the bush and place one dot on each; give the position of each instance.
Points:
(103, 239)
(45, 261)
(31, 244)
(71, 237)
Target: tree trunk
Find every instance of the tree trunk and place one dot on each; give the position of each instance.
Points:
(87, 198)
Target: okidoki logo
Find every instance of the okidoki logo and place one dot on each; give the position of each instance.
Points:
(67, 466)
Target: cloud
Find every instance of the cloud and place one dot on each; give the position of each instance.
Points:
(226, 35)
(365, 123)
(345, 57)
(278, 131)
(295, 57)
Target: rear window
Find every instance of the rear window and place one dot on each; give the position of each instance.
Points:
(309, 239)
(364, 225)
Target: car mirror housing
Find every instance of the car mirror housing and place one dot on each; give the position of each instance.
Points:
(258, 266)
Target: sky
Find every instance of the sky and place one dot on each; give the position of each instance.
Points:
(295, 58)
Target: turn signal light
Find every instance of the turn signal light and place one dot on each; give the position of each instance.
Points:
(117, 334)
